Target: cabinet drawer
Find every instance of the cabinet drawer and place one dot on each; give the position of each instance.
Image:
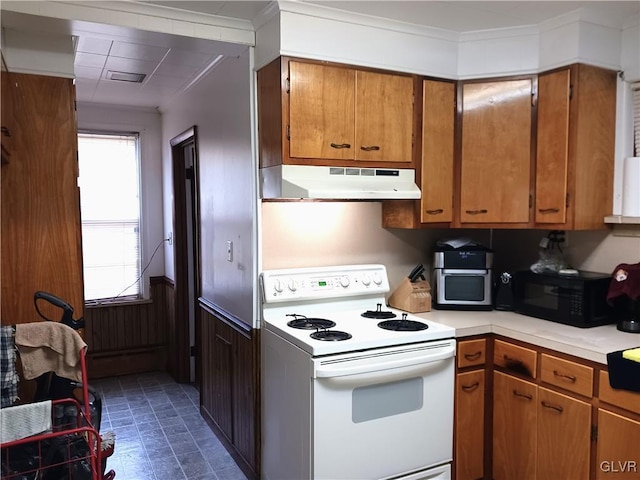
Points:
(514, 358)
(567, 374)
(472, 352)
(620, 398)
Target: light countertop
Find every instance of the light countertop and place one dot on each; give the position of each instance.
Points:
(589, 343)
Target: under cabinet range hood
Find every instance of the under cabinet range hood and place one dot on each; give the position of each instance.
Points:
(338, 183)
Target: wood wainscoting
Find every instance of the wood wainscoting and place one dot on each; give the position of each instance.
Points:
(131, 337)
(230, 389)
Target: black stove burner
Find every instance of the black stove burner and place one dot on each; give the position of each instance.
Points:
(330, 335)
(403, 325)
(379, 314)
(304, 323)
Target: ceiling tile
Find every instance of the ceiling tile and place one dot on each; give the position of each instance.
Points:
(138, 51)
(90, 60)
(94, 45)
(129, 65)
(87, 72)
(184, 57)
(182, 71)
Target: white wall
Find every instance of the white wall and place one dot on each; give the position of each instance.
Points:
(147, 123)
(220, 107)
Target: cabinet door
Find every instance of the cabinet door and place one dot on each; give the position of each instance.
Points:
(384, 117)
(216, 345)
(564, 436)
(618, 448)
(514, 428)
(552, 147)
(41, 228)
(496, 152)
(469, 447)
(321, 111)
(438, 102)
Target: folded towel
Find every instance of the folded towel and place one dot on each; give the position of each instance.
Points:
(22, 421)
(49, 347)
(633, 354)
(8, 374)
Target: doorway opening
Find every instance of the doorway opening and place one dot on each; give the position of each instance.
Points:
(184, 359)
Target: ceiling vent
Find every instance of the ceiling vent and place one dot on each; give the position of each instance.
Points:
(125, 76)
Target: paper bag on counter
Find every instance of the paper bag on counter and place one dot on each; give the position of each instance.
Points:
(413, 297)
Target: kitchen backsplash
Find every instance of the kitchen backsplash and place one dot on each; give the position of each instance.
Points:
(307, 234)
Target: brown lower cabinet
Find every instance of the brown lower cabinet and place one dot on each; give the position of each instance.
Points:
(229, 386)
(557, 420)
(469, 447)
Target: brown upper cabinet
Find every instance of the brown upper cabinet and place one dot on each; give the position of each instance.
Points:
(575, 147)
(495, 161)
(530, 152)
(323, 114)
(41, 227)
(436, 167)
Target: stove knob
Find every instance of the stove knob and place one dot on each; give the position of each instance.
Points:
(377, 279)
(277, 286)
(366, 280)
(344, 281)
(293, 285)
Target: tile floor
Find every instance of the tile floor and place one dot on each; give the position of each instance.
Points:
(160, 434)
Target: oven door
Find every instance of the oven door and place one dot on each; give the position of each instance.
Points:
(383, 413)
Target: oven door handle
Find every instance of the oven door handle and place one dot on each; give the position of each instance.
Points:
(359, 367)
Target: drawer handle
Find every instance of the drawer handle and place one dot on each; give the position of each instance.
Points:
(470, 388)
(437, 211)
(369, 148)
(548, 210)
(551, 406)
(522, 395)
(340, 145)
(477, 212)
(569, 378)
(473, 356)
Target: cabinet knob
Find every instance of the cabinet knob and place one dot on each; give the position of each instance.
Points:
(369, 148)
(340, 145)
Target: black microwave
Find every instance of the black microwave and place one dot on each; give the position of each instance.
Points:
(579, 299)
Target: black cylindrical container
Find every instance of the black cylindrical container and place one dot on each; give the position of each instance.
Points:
(504, 292)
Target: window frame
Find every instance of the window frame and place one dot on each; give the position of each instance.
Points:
(143, 276)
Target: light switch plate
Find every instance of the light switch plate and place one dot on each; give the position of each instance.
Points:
(229, 251)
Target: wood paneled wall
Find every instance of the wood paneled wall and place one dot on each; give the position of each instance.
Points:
(130, 338)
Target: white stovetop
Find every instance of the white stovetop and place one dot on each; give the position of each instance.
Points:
(588, 343)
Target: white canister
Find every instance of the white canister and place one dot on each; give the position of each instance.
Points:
(631, 187)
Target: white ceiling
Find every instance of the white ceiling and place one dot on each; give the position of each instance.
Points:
(172, 63)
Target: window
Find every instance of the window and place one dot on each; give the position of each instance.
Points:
(110, 208)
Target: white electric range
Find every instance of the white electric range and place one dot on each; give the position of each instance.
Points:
(352, 389)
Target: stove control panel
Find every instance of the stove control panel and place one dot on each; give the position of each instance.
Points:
(323, 282)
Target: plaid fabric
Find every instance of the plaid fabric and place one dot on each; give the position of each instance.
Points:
(8, 374)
